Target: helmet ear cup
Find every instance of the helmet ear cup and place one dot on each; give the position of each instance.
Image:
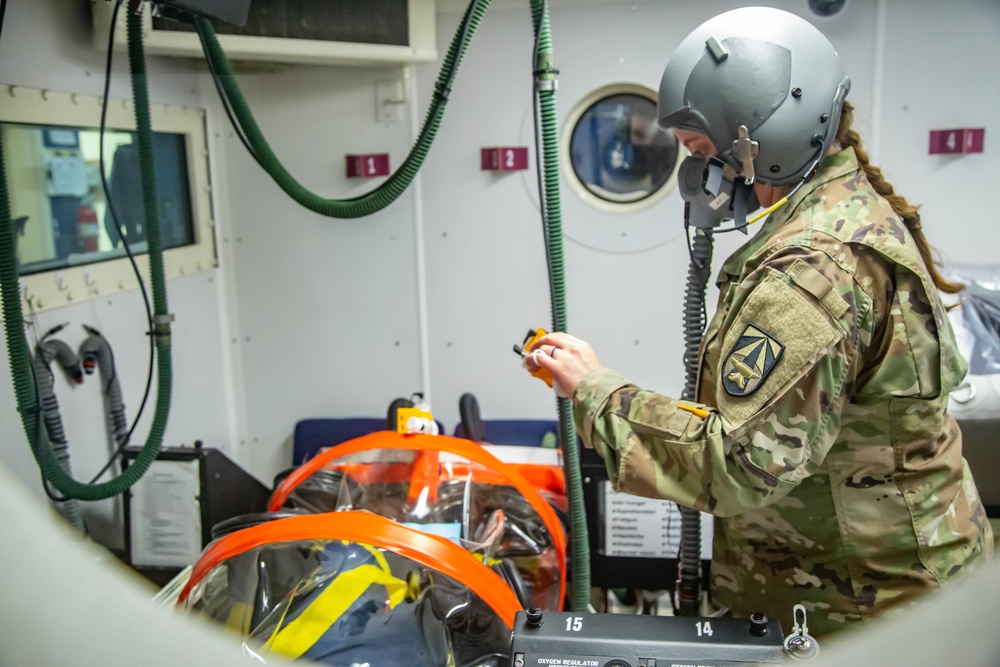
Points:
(691, 178)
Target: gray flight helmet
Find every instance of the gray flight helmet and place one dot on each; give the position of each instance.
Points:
(767, 70)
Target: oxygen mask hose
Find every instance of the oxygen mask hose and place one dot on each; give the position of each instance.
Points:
(699, 271)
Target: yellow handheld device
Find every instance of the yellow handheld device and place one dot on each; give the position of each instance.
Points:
(542, 374)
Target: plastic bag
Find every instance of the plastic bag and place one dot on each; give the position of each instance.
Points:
(453, 488)
(977, 328)
(353, 588)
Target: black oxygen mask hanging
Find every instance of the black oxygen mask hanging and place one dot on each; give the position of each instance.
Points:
(715, 193)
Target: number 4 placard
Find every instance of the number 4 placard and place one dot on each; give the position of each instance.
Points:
(960, 140)
(504, 158)
(368, 166)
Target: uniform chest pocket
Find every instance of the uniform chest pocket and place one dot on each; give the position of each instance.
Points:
(776, 338)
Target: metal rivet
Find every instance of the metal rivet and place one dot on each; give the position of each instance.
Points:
(775, 169)
(825, 117)
(796, 93)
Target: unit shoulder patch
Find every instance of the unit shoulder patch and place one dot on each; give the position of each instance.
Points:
(754, 355)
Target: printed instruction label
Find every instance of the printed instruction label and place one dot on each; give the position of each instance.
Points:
(640, 527)
(166, 515)
(568, 662)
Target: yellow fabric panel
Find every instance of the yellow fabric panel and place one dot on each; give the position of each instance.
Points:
(306, 629)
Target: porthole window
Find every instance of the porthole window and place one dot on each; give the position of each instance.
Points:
(616, 156)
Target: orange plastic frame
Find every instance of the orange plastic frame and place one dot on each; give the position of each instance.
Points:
(416, 442)
(430, 550)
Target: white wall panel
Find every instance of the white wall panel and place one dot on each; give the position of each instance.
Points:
(940, 73)
(327, 307)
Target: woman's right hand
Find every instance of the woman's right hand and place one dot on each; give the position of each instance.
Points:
(567, 357)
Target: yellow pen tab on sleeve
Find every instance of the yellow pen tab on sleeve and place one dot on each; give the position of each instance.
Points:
(693, 410)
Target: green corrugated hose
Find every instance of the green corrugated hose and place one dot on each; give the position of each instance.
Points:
(545, 66)
(396, 184)
(17, 345)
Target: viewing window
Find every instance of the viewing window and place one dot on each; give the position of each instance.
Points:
(66, 240)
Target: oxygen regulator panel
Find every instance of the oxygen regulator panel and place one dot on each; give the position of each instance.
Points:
(566, 639)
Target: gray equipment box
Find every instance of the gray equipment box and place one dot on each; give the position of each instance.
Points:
(566, 639)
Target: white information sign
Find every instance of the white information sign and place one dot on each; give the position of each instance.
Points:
(646, 527)
(166, 515)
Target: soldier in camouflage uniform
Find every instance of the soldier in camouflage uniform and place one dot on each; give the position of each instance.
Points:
(827, 453)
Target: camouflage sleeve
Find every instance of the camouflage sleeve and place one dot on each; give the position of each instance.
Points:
(789, 353)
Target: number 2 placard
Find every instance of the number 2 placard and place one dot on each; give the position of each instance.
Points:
(504, 158)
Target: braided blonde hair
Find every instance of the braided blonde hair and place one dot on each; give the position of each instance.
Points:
(910, 214)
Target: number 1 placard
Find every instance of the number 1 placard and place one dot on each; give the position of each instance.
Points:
(368, 166)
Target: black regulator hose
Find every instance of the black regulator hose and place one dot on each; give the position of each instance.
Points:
(96, 354)
(699, 271)
(47, 351)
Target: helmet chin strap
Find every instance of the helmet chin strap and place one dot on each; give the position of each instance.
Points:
(745, 151)
(742, 191)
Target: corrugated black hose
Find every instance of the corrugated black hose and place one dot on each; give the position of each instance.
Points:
(699, 271)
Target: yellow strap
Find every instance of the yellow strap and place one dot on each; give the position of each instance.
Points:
(308, 627)
(488, 561)
(376, 554)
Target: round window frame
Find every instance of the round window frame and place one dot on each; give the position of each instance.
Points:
(566, 155)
